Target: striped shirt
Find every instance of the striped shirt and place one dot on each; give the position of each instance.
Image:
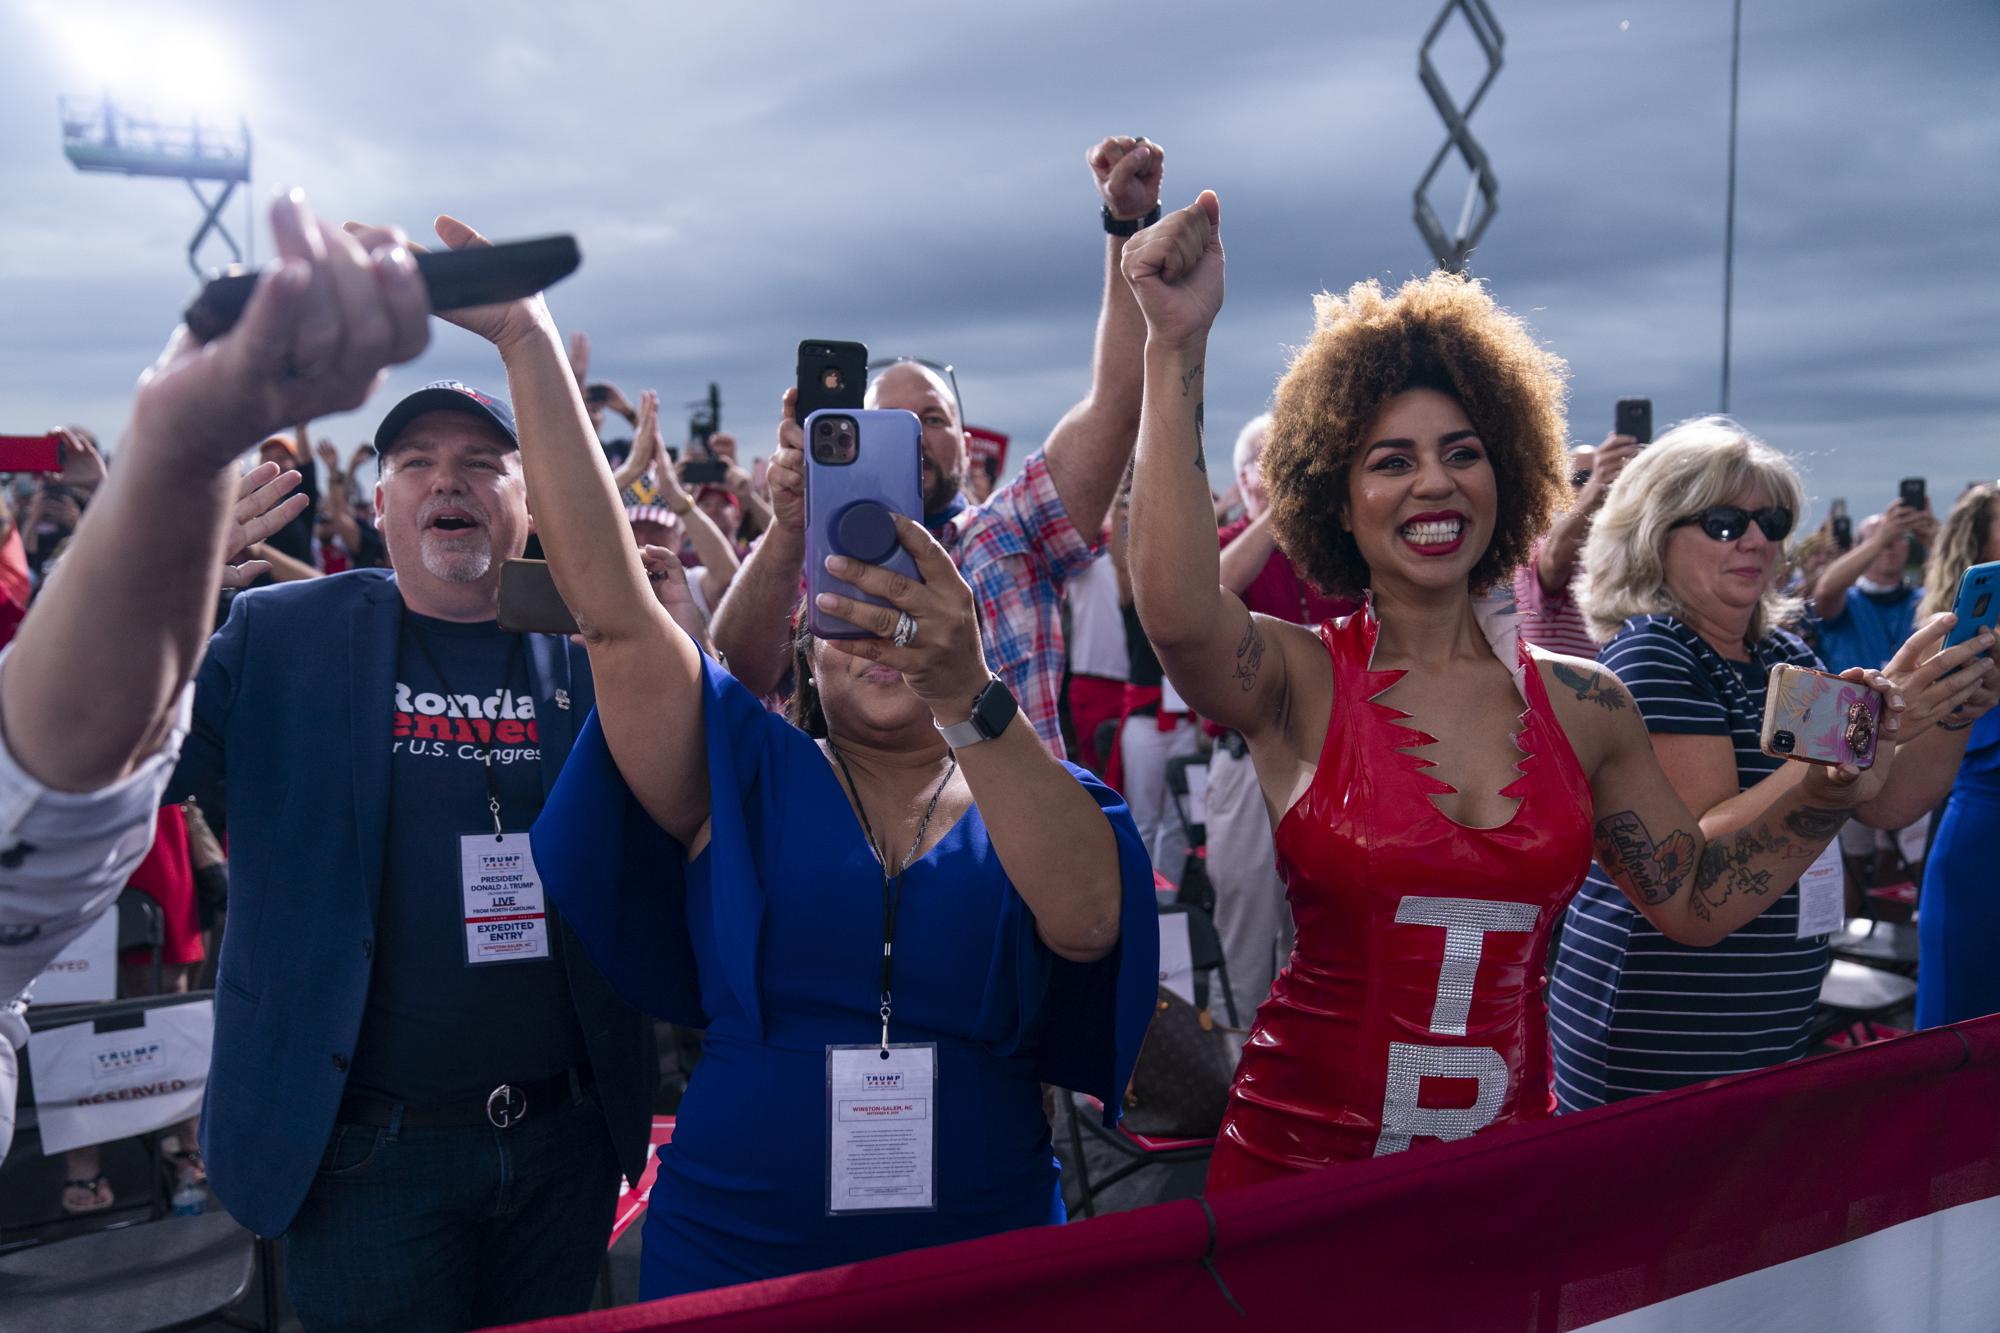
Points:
(1630, 1011)
(1549, 620)
(1017, 550)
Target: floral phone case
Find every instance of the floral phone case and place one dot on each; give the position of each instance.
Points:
(1820, 719)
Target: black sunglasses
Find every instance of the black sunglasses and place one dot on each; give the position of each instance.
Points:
(1726, 523)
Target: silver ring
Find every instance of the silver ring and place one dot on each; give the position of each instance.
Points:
(906, 630)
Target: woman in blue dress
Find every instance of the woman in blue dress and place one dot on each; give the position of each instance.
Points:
(726, 870)
(1958, 923)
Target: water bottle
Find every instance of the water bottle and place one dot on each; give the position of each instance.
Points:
(190, 1198)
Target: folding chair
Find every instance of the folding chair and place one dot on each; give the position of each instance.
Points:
(1196, 889)
(142, 925)
(152, 1271)
(1880, 944)
(1141, 1151)
(1854, 1001)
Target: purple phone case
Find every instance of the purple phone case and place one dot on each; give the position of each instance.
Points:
(1833, 721)
(841, 513)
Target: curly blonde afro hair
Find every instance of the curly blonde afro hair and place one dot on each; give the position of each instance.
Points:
(1440, 332)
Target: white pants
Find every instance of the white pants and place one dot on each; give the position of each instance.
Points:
(1251, 914)
(1144, 751)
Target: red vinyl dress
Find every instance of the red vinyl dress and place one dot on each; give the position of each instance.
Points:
(1412, 1006)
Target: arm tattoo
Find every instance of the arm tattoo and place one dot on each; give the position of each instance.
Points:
(1200, 443)
(1249, 656)
(1726, 869)
(1815, 824)
(1188, 378)
(1657, 870)
(1590, 687)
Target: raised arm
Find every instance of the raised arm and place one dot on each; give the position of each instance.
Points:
(1245, 557)
(93, 678)
(646, 670)
(1562, 549)
(1653, 846)
(1088, 448)
(1210, 646)
(1830, 593)
(752, 627)
(1052, 839)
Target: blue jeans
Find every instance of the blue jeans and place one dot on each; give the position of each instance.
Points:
(447, 1229)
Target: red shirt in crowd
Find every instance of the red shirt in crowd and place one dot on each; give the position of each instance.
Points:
(1279, 592)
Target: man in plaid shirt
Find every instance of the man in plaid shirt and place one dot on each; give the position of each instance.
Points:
(1020, 546)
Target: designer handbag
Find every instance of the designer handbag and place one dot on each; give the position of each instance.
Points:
(1180, 1084)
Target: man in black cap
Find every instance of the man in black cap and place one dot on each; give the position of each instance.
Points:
(418, 1079)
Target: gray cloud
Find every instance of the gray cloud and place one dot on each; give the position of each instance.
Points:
(742, 176)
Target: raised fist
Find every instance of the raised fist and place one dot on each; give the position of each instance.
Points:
(1128, 175)
(1175, 268)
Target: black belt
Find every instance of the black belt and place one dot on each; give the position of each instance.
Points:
(508, 1104)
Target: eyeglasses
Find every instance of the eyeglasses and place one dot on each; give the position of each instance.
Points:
(939, 368)
(1726, 523)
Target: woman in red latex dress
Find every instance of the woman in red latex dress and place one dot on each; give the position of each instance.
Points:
(1437, 790)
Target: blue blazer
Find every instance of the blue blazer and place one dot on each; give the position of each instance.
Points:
(291, 738)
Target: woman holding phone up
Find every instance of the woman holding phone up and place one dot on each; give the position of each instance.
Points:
(1417, 450)
(893, 935)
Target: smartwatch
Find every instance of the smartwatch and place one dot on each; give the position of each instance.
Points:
(993, 708)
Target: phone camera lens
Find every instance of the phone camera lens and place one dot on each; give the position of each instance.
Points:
(823, 429)
(1783, 741)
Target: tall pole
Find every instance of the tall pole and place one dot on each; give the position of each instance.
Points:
(1729, 210)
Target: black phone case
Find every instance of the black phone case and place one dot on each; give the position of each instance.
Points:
(816, 357)
(1634, 417)
(1911, 492)
(455, 279)
(529, 602)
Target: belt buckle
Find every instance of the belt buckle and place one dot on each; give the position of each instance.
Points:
(506, 1105)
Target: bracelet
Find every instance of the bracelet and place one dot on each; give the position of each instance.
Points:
(1117, 226)
(1954, 726)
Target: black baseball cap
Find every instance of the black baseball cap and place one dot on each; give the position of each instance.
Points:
(445, 396)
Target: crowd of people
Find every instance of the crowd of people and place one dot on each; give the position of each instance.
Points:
(1490, 834)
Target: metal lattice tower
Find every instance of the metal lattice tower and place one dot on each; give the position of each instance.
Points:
(1482, 192)
(99, 135)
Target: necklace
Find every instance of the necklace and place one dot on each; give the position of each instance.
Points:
(892, 880)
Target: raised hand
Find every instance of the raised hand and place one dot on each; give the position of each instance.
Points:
(668, 576)
(786, 475)
(1175, 268)
(264, 504)
(943, 663)
(1127, 171)
(1936, 683)
(1607, 462)
(322, 324)
(82, 465)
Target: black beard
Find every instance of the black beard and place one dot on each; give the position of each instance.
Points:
(942, 490)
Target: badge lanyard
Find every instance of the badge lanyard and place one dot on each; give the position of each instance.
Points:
(892, 881)
(504, 913)
(453, 710)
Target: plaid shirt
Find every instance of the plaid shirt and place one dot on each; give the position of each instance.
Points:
(1016, 551)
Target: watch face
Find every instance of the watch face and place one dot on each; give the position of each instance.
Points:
(993, 709)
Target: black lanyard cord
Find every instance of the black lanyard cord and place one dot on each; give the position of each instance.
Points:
(452, 709)
(892, 880)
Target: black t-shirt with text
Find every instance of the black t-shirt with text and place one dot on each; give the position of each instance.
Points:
(438, 1029)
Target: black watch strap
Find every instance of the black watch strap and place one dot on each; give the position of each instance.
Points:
(1128, 226)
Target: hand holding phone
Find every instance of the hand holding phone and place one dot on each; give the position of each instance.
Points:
(1978, 604)
(861, 467)
(1817, 718)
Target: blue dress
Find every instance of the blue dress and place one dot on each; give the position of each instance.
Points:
(771, 940)
(1959, 921)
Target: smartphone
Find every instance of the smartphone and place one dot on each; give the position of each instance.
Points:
(1978, 603)
(833, 377)
(1843, 532)
(861, 466)
(704, 472)
(597, 395)
(1816, 718)
(455, 279)
(31, 453)
(529, 602)
(1911, 493)
(1634, 417)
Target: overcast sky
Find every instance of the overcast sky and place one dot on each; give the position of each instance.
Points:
(744, 175)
